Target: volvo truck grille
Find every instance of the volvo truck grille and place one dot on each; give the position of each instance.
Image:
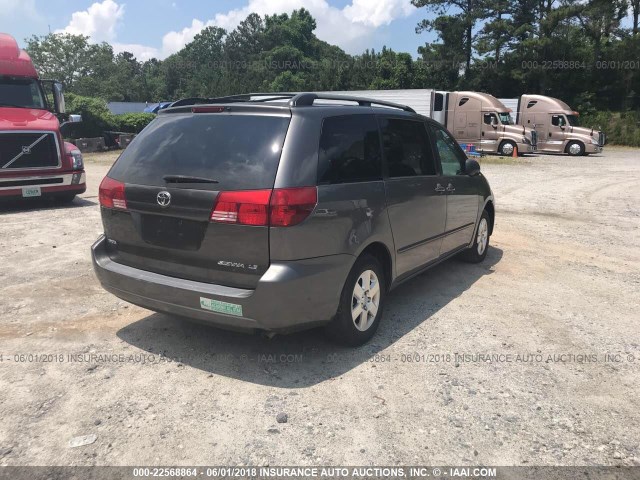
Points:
(28, 150)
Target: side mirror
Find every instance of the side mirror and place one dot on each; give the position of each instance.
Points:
(472, 167)
(58, 98)
(71, 119)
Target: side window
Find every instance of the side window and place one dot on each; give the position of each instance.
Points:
(349, 150)
(406, 148)
(36, 98)
(558, 121)
(438, 104)
(451, 157)
(489, 118)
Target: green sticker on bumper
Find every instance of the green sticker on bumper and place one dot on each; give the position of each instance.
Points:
(221, 307)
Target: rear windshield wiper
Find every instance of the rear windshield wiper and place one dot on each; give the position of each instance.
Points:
(187, 179)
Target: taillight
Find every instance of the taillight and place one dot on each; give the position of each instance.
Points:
(282, 207)
(290, 206)
(111, 194)
(245, 207)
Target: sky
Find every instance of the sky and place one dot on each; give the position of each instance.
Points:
(158, 28)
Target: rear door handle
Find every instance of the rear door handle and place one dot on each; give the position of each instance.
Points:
(451, 188)
(439, 188)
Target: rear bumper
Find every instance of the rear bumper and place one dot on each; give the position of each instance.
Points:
(290, 295)
(65, 183)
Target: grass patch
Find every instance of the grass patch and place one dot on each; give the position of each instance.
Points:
(500, 160)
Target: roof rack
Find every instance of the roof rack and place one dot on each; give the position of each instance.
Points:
(307, 99)
(243, 97)
(295, 100)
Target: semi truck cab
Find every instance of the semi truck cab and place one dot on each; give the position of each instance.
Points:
(558, 127)
(35, 160)
(481, 119)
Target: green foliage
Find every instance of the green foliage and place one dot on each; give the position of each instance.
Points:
(132, 122)
(96, 117)
(66, 57)
(621, 128)
(583, 51)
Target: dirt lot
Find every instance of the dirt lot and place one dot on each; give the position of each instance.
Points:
(560, 287)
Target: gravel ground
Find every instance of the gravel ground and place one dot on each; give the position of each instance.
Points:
(531, 358)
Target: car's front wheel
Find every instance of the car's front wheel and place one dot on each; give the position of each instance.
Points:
(478, 250)
(575, 149)
(361, 303)
(507, 147)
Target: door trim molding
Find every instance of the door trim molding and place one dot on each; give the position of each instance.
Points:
(411, 246)
(418, 270)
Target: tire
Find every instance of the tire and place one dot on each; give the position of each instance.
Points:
(478, 251)
(575, 149)
(507, 147)
(343, 328)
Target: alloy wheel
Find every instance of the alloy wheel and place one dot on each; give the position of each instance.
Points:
(483, 236)
(575, 149)
(507, 149)
(365, 300)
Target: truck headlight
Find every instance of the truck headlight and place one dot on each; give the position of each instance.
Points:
(526, 141)
(594, 141)
(78, 162)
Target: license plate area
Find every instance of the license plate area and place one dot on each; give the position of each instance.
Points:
(172, 232)
(31, 192)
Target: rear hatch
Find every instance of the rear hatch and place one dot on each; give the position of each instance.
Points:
(158, 199)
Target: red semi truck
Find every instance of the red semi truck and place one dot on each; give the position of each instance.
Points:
(35, 160)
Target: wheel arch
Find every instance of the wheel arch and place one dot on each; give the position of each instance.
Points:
(490, 208)
(380, 251)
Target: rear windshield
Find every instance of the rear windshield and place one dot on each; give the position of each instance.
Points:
(240, 152)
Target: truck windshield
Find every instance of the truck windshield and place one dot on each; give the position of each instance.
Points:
(505, 118)
(573, 120)
(21, 93)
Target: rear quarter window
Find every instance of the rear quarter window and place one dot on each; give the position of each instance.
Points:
(241, 152)
(349, 150)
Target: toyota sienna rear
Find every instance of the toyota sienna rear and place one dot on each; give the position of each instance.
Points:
(275, 216)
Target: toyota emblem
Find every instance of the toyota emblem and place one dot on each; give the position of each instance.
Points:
(164, 199)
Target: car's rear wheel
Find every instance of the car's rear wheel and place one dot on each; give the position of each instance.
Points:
(361, 303)
(478, 250)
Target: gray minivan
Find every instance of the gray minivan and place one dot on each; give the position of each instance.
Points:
(276, 212)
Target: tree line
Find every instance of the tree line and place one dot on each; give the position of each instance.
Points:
(584, 52)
